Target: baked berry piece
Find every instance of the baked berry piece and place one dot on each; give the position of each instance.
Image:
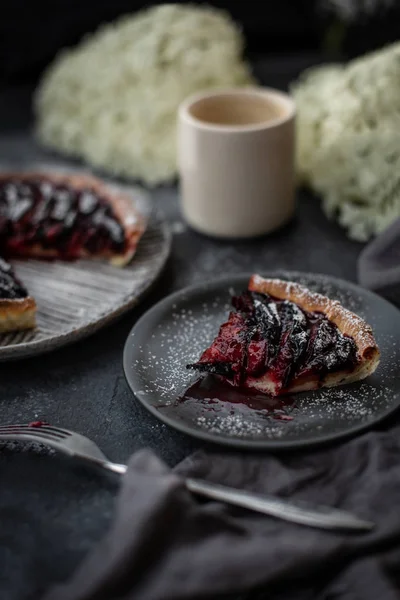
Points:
(17, 308)
(66, 217)
(283, 338)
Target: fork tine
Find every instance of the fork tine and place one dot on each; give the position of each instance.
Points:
(47, 427)
(60, 433)
(31, 432)
(28, 436)
(13, 426)
(58, 430)
(19, 426)
(69, 442)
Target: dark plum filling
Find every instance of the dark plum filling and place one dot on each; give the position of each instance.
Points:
(226, 357)
(10, 287)
(266, 335)
(54, 215)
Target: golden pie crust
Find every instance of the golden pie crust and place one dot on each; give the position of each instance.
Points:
(17, 314)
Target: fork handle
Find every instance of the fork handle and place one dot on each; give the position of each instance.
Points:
(323, 517)
(301, 513)
(115, 467)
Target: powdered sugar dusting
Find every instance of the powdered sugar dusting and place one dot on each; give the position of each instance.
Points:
(235, 425)
(181, 341)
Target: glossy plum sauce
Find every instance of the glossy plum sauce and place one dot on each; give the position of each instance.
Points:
(211, 391)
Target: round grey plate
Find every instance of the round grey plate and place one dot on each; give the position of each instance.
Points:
(75, 299)
(176, 331)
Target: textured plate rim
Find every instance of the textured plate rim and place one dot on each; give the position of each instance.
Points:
(263, 445)
(34, 348)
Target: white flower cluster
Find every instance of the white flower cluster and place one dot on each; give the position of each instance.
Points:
(350, 10)
(348, 144)
(112, 100)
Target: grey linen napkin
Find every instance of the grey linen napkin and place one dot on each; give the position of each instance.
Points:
(165, 544)
(379, 264)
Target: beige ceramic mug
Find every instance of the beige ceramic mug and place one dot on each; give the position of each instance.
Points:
(236, 161)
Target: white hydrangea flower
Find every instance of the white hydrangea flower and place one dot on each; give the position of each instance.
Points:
(112, 100)
(348, 146)
(349, 10)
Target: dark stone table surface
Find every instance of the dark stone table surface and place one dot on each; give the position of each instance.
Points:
(52, 510)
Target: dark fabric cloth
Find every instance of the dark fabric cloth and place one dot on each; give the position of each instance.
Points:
(167, 545)
(379, 264)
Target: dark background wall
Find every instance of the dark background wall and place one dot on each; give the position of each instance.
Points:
(31, 31)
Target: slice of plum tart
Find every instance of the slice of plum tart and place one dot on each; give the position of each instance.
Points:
(283, 338)
(17, 307)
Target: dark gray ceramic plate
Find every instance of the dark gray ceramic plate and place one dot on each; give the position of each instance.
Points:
(176, 331)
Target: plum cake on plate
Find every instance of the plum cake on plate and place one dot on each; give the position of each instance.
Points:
(282, 338)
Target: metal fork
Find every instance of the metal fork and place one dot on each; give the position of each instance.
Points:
(79, 446)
